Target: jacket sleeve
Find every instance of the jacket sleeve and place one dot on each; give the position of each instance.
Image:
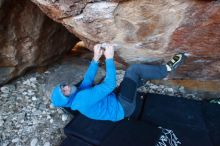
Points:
(93, 95)
(89, 75)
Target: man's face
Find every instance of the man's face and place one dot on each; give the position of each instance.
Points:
(66, 90)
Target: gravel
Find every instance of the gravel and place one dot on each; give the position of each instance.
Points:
(26, 117)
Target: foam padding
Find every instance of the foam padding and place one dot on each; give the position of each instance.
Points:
(211, 114)
(73, 141)
(183, 116)
(92, 131)
(173, 112)
(133, 133)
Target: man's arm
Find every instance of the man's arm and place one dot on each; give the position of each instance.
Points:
(89, 75)
(93, 95)
(92, 70)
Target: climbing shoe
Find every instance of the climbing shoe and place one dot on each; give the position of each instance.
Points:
(175, 61)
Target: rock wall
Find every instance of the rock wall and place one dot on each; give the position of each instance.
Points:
(148, 30)
(28, 38)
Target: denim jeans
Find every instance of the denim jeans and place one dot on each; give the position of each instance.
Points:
(133, 79)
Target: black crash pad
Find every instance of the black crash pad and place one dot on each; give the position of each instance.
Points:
(133, 133)
(172, 112)
(92, 131)
(187, 123)
(189, 119)
(73, 141)
(211, 113)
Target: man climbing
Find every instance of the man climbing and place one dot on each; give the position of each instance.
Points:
(100, 102)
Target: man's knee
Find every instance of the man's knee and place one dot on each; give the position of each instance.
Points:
(132, 68)
(131, 71)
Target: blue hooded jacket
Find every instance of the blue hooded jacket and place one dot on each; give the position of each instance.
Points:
(98, 102)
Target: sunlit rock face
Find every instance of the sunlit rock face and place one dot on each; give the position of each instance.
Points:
(28, 38)
(199, 35)
(148, 30)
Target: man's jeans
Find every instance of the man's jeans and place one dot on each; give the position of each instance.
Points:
(133, 79)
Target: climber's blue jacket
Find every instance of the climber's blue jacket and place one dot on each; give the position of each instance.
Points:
(98, 102)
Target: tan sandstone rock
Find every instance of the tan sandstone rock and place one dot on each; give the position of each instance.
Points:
(148, 30)
(28, 38)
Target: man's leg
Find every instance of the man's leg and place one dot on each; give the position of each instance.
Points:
(132, 80)
(136, 72)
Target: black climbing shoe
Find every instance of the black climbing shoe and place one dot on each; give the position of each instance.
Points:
(176, 61)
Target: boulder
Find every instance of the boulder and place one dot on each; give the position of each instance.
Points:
(148, 31)
(28, 38)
